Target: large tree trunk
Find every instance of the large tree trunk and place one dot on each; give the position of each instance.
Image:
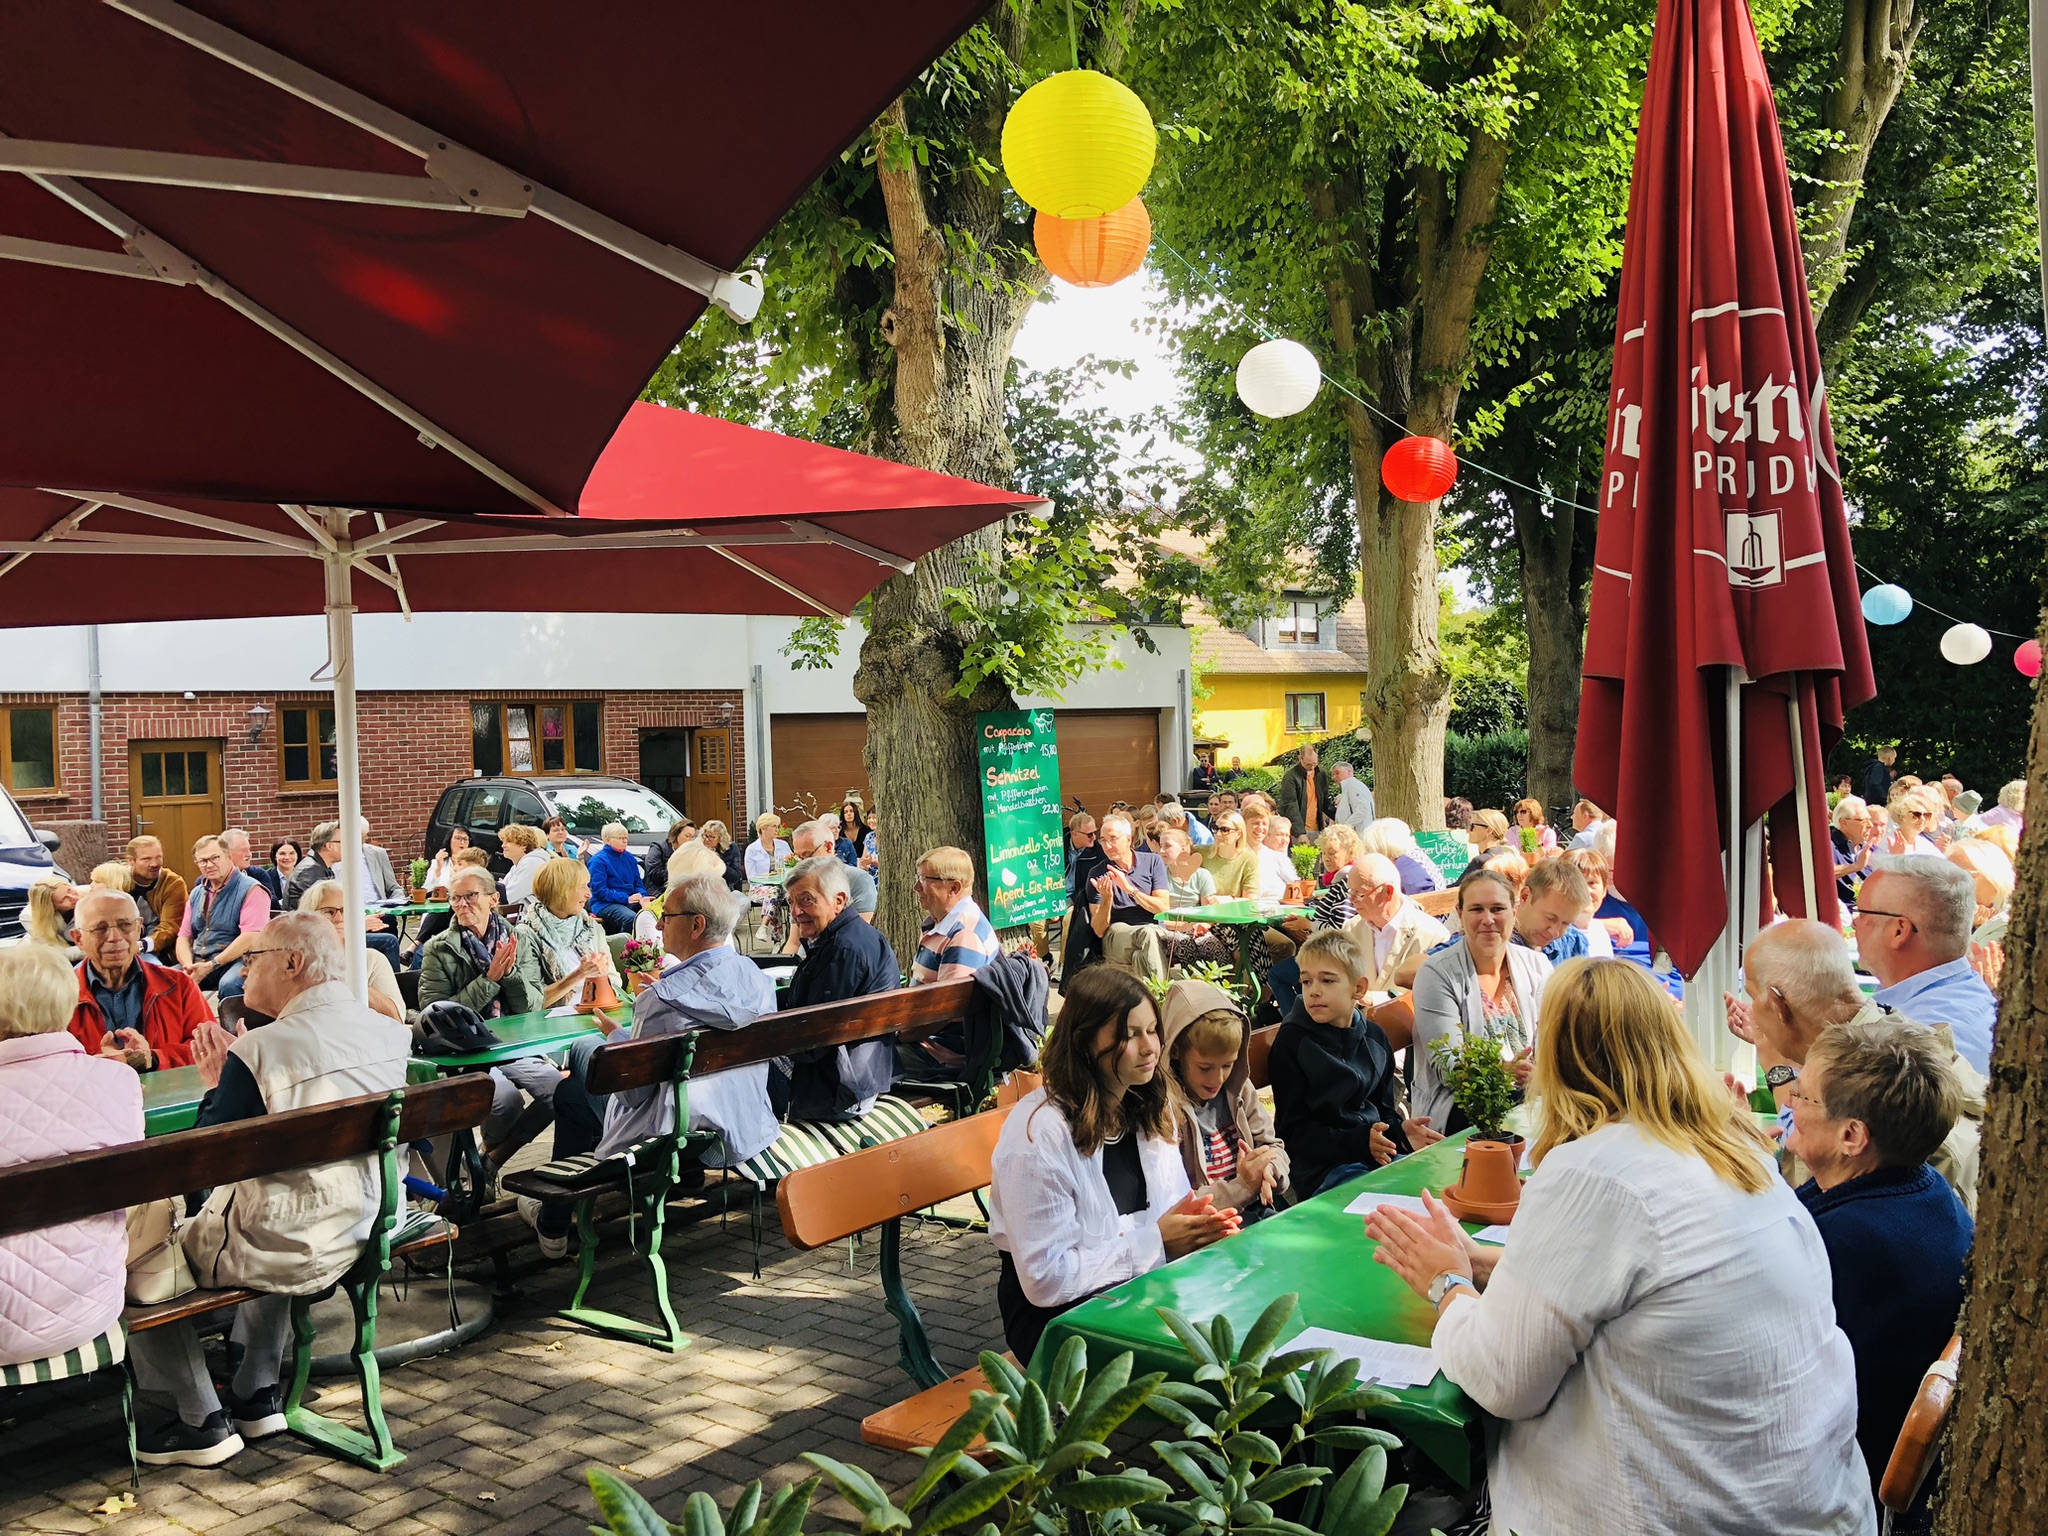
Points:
(951, 333)
(1554, 588)
(1873, 55)
(1996, 1481)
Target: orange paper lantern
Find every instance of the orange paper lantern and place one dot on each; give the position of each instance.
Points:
(1419, 469)
(1094, 253)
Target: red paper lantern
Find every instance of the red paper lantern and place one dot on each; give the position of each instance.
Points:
(2028, 658)
(1094, 253)
(1419, 469)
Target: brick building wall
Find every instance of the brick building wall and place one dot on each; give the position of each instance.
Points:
(412, 745)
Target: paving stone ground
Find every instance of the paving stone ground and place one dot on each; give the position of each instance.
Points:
(499, 1434)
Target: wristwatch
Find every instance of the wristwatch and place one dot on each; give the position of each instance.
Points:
(1447, 1282)
(1780, 1075)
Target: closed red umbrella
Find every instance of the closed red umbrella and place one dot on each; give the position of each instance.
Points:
(1725, 640)
(683, 514)
(392, 255)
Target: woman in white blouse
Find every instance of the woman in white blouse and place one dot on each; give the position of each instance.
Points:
(526, 850)
(1488, 985)
(443, 866)
(1657, 1337)
(1089, 1188)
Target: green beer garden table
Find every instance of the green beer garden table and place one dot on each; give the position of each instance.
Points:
(1313, 1249)
(1248, 920)
(170, 1100)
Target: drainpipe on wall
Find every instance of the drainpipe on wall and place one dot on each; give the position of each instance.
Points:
(1187, 730)
(765, 795)
(92, 694)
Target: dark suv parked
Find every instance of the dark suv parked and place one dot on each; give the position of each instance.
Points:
(24, 859)
(585, 801)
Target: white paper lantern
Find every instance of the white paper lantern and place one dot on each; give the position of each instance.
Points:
(1278, 378)
(1966, 644)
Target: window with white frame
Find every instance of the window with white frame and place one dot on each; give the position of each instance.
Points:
(1306, 713)
(1299, 622)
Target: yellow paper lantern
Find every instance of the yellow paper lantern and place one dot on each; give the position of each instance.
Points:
(1078, 145)
(1094, 253)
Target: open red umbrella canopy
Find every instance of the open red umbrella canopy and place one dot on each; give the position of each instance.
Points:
(388, 255)
(1723, 553)
(683, 514)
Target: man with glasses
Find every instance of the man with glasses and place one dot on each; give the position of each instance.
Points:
(223, 916)
(843, 957)
(143, 1014)
(713, 987)
(283, 1235)
(1797, 982)
(1913, 919)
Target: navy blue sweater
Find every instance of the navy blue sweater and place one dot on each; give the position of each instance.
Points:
(1896, 1241)
(1331, 1086)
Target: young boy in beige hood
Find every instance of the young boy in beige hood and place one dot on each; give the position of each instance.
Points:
(1226, 1137)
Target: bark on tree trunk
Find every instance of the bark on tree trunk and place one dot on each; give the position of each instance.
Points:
(1873, 55)
(1995, 1481)
(1554, 609)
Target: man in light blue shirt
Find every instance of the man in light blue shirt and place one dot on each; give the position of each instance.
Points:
(1913, 921)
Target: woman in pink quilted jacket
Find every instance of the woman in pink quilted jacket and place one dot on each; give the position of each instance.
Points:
(60, 1287)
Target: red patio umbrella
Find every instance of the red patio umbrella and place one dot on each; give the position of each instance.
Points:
(1725, 640)
(392, 255)
(683, 514)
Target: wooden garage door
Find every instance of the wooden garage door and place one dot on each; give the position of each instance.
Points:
(1108, 755)
(817, 758)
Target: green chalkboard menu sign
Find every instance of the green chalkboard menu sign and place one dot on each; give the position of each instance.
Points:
(1449, 852)
(1020, 811)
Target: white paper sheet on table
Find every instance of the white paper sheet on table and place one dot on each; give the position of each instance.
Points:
(1381, 1360)
(1491, 1235)
(567, 1010)
(1372, 1198)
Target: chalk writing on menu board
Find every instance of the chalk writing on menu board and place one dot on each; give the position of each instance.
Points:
(1020, 810)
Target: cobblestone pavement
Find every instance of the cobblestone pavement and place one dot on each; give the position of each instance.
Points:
(498, 1435)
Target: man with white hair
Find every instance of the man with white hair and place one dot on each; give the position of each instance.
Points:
(286, 1235)
(1913, 921)
(808, 839)
(1387, 926)
(712, 987)
(1126, 890)
(143, 1014)
(1174, 814)
(1797, 981)
(618, 886)
(1354, 797)
(842, 957)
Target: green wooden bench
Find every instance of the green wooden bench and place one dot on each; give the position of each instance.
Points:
(63, 1189)
(648, 1171)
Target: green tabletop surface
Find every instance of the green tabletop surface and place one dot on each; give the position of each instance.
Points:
(1313, 1249)
(1240, 910)
(410, 909)
(170, 1100)
(520, 1034)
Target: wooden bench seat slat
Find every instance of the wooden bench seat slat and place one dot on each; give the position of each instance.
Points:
(61, 1189)
(139, 1319)
(923, 1419)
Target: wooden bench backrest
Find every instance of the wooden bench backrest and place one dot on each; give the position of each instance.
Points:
(1257, 1049)
(1016, 1085)
(1913, 1453)
(1397, 1017)
(1438, 903)
(84, 1184)
(828, 1201)
(909, 1013)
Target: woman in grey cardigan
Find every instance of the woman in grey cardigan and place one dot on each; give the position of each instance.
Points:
(1488, 985)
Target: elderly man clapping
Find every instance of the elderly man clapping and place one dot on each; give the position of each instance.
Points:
(143, 1014)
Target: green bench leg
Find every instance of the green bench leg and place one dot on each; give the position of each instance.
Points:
(653, 1212)
(376, 1449)
(913, 1344)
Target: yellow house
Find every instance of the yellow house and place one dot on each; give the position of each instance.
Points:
(1294, 677)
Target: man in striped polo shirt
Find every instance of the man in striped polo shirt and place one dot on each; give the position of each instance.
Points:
(958, 940)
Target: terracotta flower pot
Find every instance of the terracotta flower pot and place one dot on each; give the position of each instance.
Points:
(418, 894)
(639, 981)
(1300, 893)
(599, 997)
(1490, 1186)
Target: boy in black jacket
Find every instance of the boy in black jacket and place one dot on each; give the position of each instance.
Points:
(1335, 1090)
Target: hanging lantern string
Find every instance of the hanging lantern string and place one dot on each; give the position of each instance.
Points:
(1073, 37)
(1921, 602)
(1267, 333)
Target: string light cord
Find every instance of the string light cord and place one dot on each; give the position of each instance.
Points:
(1267, 333)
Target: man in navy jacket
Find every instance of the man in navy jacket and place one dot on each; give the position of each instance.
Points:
(843, 956)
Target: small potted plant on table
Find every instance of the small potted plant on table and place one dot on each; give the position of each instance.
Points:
(641, 962)
(418, 873)
(1490, 1185)
(1303, 890)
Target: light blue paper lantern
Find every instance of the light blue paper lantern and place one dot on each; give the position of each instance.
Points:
(1887, 604)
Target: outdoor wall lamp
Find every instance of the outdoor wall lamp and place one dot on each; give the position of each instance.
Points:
(258, 715)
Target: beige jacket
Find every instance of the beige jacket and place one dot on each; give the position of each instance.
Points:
(1185, 1002)
(296, 1233)
(1416, 933)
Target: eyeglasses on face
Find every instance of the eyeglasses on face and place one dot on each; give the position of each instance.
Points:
(1876, 912)
(463, 898)
(101, 930)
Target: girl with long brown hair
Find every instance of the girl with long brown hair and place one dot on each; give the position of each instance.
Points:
(1089, 1188)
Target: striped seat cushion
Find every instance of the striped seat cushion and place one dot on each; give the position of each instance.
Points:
(806, 1143)
(587, 1171)
(110, 1348)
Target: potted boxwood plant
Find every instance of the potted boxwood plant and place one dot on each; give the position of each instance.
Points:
(418, 874)
(1304, 856)
(1490, 1185)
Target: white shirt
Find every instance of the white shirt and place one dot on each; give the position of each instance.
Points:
(758, 863)
(1599, 942)
(519, 883)
(1050, 1210)
(1276, 873)
(1354, 804)
(1590, 838)
(1662, 1351)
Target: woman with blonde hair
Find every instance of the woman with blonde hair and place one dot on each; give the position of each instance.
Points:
(114, 876)
(561, 945)
(1658, 1340)
(1231, 862)
(526, 849)
(47, 918)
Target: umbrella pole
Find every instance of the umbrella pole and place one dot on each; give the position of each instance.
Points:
(341, 660)
(1804, 800)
